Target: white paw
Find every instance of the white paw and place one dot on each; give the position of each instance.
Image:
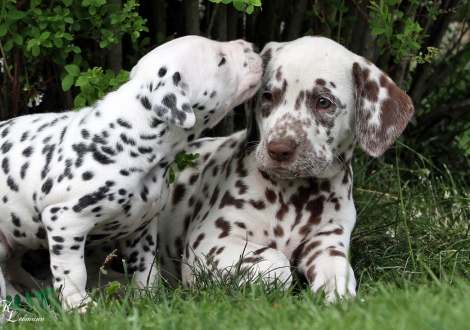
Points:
(340, 287)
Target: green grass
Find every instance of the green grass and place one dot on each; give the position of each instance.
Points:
(410, 253)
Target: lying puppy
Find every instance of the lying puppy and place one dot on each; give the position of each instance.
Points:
(280, 194)
(101, 174)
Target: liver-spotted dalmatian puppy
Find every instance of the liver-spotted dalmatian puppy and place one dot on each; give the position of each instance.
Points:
(281, 193)
(101, 174)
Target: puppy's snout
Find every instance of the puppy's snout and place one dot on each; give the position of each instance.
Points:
(281, 151)
(255, 48)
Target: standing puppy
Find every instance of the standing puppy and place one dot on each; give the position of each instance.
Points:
(280, 194)
(101, 174)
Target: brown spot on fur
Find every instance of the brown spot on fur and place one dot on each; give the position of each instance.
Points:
(313, 257)
(193, 178)
(336, 253)
(215, 196)
(311, 275)
(266, 57)
(259, 251)
(283, 209)
(299, 100)
(325, 186)
(270, 196)
(224, 225)
(279, 73)
(228, 200)
(242, 188)
(278, 231)
(190, 201)
(206, 157)
(252, 260)
(309, 248)
(198, 240)
(259, 204)
(208, 166)
(178, 193)
(337, 231)
(196, 210)
(320, 82)
(240, 224)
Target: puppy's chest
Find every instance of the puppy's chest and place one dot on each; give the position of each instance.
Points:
(282, 217)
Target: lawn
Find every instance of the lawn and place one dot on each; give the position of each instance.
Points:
(410, 252)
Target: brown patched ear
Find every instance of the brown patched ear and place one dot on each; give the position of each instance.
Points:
(382, 109)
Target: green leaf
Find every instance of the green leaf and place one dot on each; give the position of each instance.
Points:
(79, 101)
(31, 43)
(413, 45)
(250, 9)
(16, 14)
(3, 30)
(36, 50)
(73, 70)
(8, 45)
(67, 82)
(44, 35)
(17, 38)
(87, 88)
(377, 30)
(112, 288)
(239, 4)
(58, 42)
(82, 80)
(67, 2)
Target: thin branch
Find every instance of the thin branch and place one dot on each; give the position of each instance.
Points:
(5, 64)
(211, 22)
(360, 9)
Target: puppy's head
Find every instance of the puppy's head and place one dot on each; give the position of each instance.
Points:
(194, 81)
(317, 98)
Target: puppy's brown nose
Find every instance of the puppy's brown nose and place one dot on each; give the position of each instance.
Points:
(280, 150)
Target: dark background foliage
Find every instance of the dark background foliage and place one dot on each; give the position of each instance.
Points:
(395, 35)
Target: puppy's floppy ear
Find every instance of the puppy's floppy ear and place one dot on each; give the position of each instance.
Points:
(165, 96)
(382, 109)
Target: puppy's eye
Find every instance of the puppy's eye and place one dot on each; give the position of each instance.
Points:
(267, 97)
(222, 61)
(323, 103)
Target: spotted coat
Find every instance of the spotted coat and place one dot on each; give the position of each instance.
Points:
(280, 194)
(101, 174)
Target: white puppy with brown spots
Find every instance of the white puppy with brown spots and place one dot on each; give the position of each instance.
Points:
(280, 193)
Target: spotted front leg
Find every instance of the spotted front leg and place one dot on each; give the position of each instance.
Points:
(139, 249)
(323, 260)
(66, 237)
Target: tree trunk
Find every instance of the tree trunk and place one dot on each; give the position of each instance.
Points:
(219, 32)
(115, 53)
(232, 22)
(191, 10)
(296, 20)
(159, 16)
